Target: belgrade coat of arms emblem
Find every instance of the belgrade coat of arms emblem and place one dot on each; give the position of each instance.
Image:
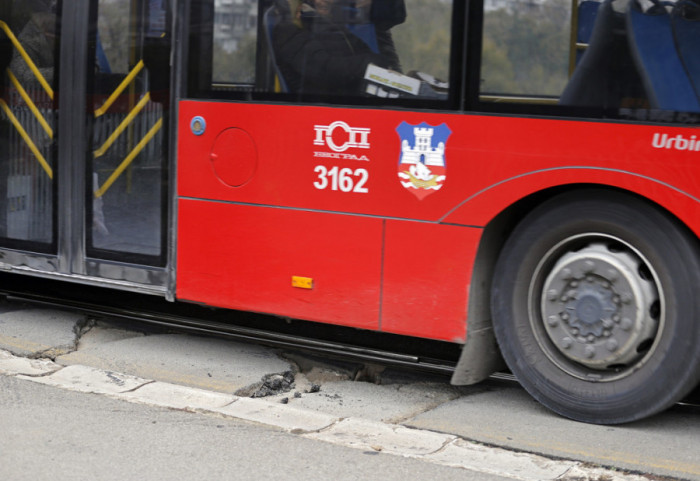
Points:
(422, 168)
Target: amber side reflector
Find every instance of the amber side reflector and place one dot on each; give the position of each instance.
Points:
(302, 282)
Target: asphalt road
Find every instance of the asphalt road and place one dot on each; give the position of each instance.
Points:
(491, 413)
(52, 433)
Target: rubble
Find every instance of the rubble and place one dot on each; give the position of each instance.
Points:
(273, 384)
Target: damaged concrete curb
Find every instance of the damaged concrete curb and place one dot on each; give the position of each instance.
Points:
(382, 437)
(282, 416)
(372, 436)
(90, 380)
(12, 365)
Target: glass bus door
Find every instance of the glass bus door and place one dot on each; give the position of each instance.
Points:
(128, 97)
(29, 53)
(84, 145)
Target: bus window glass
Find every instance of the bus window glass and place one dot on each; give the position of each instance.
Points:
(29, 36)
(235, 39)
(128, 94)
(525, 48)
(632, 59)
(329, 49)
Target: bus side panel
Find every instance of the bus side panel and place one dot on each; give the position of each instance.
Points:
(244, 257)
(426, 278)
(480, 209)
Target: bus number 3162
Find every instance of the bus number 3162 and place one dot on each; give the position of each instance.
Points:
(345, 179)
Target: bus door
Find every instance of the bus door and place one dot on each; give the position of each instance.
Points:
(29, 43)
(83, 174)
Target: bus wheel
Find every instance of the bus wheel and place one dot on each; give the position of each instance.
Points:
(596, 308)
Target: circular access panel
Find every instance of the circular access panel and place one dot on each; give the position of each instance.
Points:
(234, 157)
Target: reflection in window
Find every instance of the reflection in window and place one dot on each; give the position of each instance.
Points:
(365, 48)
(525, 50)
(634, 59)
(129, 100)
(29, 35)
(235, 38)
(639, 55)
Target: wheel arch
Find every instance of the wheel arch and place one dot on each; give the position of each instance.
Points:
(480, 355)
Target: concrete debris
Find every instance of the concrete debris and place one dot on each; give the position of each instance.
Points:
(273, 384)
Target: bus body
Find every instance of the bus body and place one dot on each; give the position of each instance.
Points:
(535, 196)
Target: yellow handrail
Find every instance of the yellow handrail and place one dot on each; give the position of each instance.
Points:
(123, 125)
(32, 106)
(27, 139)
(129, 158)
(27, 59)
(118, 91)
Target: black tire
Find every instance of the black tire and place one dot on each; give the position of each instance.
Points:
(596, 307)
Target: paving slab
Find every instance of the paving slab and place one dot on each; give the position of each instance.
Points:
(388, 403)
(178, 397)
(279, 415)
(382, 437)
(658, 445)
(12, 365)
(102, 333)
(39, 332)
(501, 462)
(90, 380)
(205, 363)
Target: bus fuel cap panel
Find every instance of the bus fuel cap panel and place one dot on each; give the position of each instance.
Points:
(234, 157)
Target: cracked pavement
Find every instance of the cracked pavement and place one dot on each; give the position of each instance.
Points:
(491, 413)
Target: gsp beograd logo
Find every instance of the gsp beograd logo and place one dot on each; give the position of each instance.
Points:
(422, 169)
(352, 137)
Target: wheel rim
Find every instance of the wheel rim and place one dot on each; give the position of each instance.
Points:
(596, 307)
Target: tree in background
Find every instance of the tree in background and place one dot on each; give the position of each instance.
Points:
(525, 48)
(423, 40)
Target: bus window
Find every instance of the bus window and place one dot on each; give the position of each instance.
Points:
(128, 94)
(29, 46)
(235, 36)
(633, 59)
(334, 50)
(525, 49)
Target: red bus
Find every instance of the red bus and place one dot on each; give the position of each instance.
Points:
(519, 178)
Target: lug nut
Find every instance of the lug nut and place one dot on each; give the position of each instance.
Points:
(626, 324)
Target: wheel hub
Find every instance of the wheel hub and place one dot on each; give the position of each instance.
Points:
(598, 307)
(590, 310)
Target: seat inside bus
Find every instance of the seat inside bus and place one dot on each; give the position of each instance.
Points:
(686, 27)
(275, 13)
(639, 57)
(587, 13)
(658, 54)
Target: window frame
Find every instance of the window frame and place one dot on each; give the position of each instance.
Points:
(199, 48)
